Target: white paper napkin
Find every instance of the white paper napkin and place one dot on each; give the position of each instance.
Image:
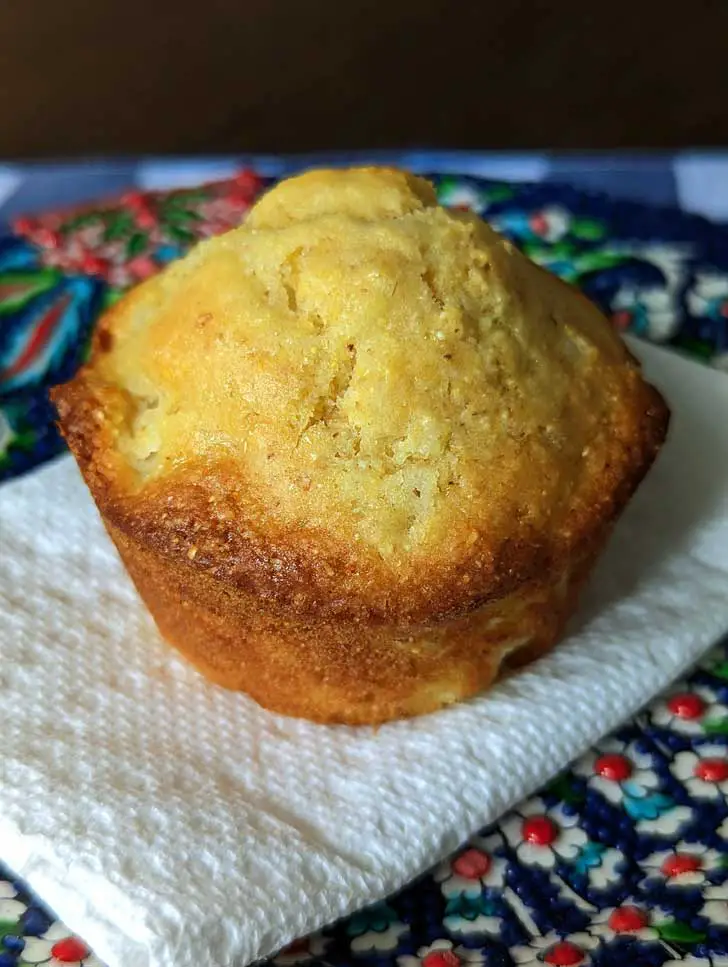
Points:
(174, 824)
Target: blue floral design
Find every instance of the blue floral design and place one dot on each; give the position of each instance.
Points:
(376, 918)
(640, 805)
(589, 858)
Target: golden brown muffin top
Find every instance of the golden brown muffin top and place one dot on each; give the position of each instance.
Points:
(363, 376)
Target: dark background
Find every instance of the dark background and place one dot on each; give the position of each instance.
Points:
(105, 77)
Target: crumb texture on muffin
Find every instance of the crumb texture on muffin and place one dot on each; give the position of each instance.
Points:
(373, 366)
(361, 406)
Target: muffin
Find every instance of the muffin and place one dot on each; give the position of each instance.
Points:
(359, 454)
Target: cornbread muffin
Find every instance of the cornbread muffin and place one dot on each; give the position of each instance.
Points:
(359, 454)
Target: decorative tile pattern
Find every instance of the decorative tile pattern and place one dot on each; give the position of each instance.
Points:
(621, 861)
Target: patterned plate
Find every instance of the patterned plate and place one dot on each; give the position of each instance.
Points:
(622, 861)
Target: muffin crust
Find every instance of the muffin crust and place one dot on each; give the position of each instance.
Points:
(360, 451)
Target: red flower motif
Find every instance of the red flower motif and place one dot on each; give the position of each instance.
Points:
(70, 950)
(538, 224)
(472, 864)
(712, 770)
(134, 200)
(46, 238)
(628, 919)
(142, 266)
(248, 181)
(614, 767)
(622, 319)
(564, 954)
(145, 219)
(23, 226)
(441, 958)
(94, 265)
(679, 863)
(540, 830)
(686, 705)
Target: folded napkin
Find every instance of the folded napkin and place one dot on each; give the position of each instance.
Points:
(174, 824)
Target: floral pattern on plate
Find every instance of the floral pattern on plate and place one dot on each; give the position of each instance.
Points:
(621, 861)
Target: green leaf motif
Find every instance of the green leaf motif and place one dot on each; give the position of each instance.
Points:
(17, 288)
(10, 928)
(118, 226)
(588, 228)
(25, 441)
(136, 245)
(447, 183)
(180, 234)
(566, 789)
(499, 192)
(716, 726)
(187, 195)
(82, 221)
(678, 932)
(703, 350)
(180, 216)
(111, 296)
(720, 670)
